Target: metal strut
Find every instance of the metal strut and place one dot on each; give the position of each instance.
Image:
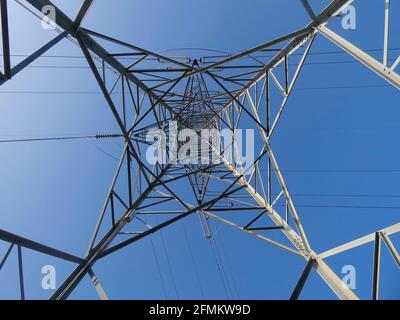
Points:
(217, 95)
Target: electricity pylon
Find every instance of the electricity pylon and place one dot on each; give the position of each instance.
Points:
(240, 91)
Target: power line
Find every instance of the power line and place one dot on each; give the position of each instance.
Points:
(113, 136)
(314, 195)
(220, 269)
(159, 268)
(169, 264)
(196, 272)
(305, 64)
(343, 129)
(344, 206)
(224, 256)
(337, 170)
(87, 138)
(336, 206)
(343, 171)
(47, 139)
(54, 92)
(207, 57)
(367, 86)
(310, 54)
(103, 151)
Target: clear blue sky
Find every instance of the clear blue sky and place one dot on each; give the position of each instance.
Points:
(53, 192)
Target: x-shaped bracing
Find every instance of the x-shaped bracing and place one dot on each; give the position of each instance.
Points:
(155, 99)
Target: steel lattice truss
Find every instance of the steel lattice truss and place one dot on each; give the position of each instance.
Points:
(233, 92)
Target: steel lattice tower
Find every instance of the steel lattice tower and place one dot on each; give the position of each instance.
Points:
(230, 93)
